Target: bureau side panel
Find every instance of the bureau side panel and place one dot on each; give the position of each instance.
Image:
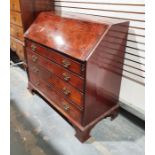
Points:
(26, 13)
(31, 8)
(104, 73)
(43, 5)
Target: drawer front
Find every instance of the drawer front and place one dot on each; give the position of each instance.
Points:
(68, 91)
(15, 18)
(17, 32)
(61, 72)
(65, 89)
(64, 61)
(15, 5)
(66, 108)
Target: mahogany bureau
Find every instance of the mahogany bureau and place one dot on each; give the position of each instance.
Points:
(76, 64)
(22, 14)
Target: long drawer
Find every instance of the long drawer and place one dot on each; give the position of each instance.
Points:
(17, 32)
(15, 18)
(58, 101)
(66, 89)
(64, 61)
(74, 80)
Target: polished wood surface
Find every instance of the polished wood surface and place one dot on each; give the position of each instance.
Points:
(73, 37)
(92, 93)
(75, 80)
(102, 91)
(64, 88)
(56, 97)
(56, 57)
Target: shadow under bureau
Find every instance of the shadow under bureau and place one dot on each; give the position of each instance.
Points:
(76, 64)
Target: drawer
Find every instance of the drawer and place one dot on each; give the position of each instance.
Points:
(58, 101)
(65, 89)
(68, 91)
(15, 5)
(62, 60)
(74, 80)
(17, 32)
(15, 18)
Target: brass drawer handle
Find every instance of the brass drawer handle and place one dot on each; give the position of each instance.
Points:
(34, 58)
(66, 63)
(66, 107)
(66, 77)
(33, 47)
(66, 91)
(35, 70)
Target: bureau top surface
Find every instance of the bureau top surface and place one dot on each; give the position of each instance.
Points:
(73, 37)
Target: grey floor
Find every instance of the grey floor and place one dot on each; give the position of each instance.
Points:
(36, 129)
